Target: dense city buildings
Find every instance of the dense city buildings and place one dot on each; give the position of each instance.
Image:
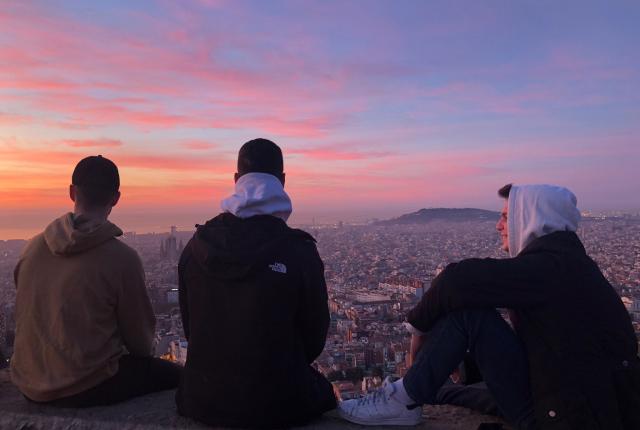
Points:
(374, 273)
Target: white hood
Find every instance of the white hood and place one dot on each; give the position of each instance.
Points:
(538, 210)
(258, 194)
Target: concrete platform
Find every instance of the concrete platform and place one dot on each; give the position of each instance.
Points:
(157, 411)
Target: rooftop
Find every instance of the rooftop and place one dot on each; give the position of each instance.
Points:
(157, 411)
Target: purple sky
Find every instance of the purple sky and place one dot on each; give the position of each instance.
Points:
(380, 107)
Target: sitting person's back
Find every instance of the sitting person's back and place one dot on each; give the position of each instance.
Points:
(84, 323)
(254, 309)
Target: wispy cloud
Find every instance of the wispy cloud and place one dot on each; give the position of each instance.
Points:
(198, 145)
(338, 152)
(13, 119)
(92, 143)
(392, 104)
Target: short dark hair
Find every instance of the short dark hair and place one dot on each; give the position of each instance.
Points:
(504, 191)
(97, 180)
(262, 156)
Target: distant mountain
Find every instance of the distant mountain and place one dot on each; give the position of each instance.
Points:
(424, 216)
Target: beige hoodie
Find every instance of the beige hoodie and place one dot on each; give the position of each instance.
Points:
(81, 304)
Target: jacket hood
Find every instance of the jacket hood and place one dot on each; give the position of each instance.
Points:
(67, 236)
(258, 194)
(537, 210)
(229, 247)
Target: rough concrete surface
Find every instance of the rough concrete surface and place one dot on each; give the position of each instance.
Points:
(157, 411)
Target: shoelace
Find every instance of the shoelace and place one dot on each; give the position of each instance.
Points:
(373, 398)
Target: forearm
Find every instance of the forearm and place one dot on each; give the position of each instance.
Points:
(139, 335)
(486, 283)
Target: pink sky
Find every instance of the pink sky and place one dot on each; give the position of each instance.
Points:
(380, 110)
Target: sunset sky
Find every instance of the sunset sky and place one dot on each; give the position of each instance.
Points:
(381, 107)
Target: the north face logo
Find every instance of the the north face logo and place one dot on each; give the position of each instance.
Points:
(278, 267)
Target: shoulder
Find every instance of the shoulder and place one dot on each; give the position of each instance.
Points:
(122, 254)
(302, 246)
(35, 249)
(35, 243)
(302, 241)
(302, 235)
(562, 243)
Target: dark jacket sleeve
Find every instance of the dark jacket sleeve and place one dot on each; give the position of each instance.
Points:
(182, 289)
(520, 282)
(314, 312)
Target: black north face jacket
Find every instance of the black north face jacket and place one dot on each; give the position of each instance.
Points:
(254, 310)
(580, 343)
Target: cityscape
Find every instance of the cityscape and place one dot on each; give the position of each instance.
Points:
(375, 273)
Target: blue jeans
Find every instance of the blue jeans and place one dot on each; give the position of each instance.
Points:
(496, 349)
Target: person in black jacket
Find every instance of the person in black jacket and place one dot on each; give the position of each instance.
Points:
(571, 359)
(254, 307)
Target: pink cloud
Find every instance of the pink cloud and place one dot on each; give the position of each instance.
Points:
(173, 70)
(139, 71)
(11, 119)
(198, 145)
(178, 195)
(182, 162)
(337, 152)
(89, 143)
(36, 84)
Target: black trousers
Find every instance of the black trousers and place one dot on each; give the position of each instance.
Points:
(136, 376)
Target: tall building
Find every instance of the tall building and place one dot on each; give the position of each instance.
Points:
(169, 247)
(3, 334)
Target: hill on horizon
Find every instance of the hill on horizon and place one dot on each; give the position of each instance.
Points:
(425, 215)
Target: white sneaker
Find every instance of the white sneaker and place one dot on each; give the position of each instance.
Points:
(380, 408)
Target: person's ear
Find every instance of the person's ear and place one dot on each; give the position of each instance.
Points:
(236, 176)
(72, 193)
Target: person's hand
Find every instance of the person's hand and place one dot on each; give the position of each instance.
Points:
(455, 375)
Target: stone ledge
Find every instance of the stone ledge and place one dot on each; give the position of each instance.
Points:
(157, 411)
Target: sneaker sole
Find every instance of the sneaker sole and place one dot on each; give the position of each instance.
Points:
(382, 421)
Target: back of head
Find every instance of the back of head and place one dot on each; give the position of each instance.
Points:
(538, 210)
(260, 156)
(96, 180)
(260, 178)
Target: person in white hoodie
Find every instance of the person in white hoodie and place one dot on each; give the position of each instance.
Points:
(570, 361)
(253, 301)
(84, 323)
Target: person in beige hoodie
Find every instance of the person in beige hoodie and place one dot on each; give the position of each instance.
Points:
(84, 323)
